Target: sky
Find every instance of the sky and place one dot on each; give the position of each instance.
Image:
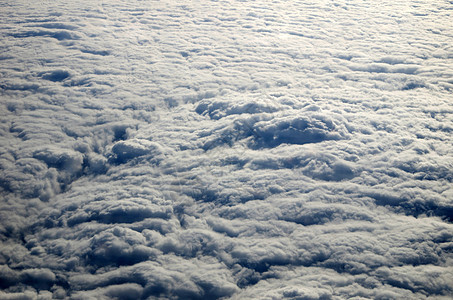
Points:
(226, 149)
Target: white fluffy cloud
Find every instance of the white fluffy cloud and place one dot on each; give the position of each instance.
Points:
(226, 149)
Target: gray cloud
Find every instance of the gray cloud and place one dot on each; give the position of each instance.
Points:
(226, 150)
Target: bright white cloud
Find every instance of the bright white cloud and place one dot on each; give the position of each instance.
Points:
(236, 149)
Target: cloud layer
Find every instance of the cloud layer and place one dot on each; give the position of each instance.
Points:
(226, 149)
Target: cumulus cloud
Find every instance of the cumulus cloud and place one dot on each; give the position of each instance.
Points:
(181, 150)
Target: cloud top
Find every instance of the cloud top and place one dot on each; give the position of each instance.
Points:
(226, 150)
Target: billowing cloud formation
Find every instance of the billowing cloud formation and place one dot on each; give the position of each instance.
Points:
(226, 149)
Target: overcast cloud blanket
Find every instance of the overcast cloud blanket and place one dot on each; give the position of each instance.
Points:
(237, 149)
